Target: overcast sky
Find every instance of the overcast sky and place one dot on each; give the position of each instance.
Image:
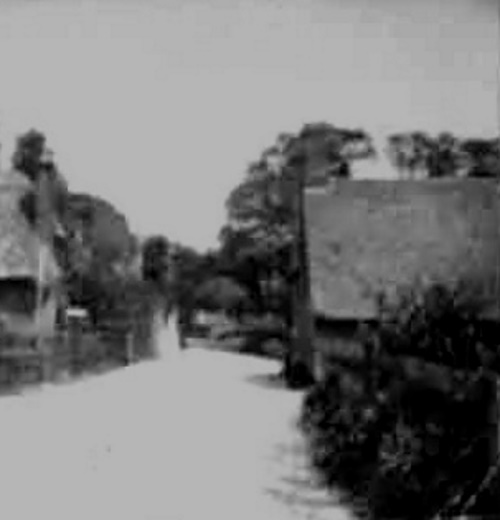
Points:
(159, 105)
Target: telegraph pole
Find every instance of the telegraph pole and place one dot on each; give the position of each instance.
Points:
(43, 223)
(300, 362)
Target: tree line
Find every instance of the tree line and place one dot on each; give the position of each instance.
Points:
(249, 271)
(91, 239)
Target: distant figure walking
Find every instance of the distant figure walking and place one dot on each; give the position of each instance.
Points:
(183, 320)
(171, 343)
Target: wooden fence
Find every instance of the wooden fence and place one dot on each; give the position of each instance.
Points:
(68, 354)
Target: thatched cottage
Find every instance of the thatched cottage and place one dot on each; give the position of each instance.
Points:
(20, 250)
(371, 236)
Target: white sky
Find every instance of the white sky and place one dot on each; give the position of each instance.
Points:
(159, 105)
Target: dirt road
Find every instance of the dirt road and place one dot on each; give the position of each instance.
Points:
(198, 435)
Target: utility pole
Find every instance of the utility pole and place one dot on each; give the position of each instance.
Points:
(43, 209)
(300, 362)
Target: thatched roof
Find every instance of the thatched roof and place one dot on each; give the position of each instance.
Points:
(19, 244)
(369, 236)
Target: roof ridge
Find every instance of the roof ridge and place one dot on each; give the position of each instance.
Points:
(332, 185)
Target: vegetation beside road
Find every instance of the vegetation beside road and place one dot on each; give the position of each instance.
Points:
(409, 435)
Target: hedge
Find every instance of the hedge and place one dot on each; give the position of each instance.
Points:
(399, 442)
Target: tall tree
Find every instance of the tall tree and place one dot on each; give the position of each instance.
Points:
(221, 294)
(155, 260)
(35, 160)
(96, 251)
(259, 206)
(260, 200)
(409, 153)
(188, 271)
(258, 242)
(445, 155)
(30, 154)
(252, 258)
(330, 151)
(102, 226)
(257, 238)
(484, 155)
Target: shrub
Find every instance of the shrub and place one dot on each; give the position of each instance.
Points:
(432, 445)
(221, 294)
(398, 438)
(345, 456)
(438, 323)
(131, 309)
(118, 306)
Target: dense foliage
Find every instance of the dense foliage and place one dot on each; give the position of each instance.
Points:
(46, 202)
(91, 238)
(222, 294)
(155, 260)
(402, 438)
(256, 241)
(85, 230)
(444, 155)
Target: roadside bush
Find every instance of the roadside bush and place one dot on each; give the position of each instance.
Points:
(433, 446)
(222, 294)
(344, 456)
(119, 306)
(398, 438)
(131, 308)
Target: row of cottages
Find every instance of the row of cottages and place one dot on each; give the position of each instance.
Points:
(20, 271)
(364, 237)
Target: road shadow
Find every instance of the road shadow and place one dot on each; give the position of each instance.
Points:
(269, 380)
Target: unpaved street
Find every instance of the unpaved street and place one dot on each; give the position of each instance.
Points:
(197, 435)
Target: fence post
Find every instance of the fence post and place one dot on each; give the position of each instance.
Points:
(76, 358)
(129, 345)
(42, 352)
(68, 353)
(46, 352)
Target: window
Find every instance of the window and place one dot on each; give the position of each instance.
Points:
(19, 295)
